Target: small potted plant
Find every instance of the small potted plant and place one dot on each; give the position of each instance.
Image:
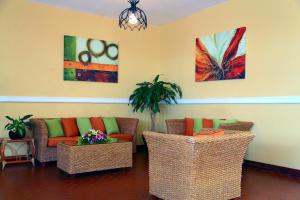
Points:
(95, 137)
(17, 127)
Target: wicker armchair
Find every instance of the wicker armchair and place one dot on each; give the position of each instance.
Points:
(184, 167)
(46, 154)
(177, 126)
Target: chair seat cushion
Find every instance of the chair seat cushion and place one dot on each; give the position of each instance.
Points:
(122, 136)
(52, 142)
(219, 133)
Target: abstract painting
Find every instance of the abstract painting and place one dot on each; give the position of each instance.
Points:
(88, 59)
(221, 56)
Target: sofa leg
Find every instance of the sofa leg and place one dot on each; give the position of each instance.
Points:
(152, 197)
(72, 176)
(133, 148)
(43, 164)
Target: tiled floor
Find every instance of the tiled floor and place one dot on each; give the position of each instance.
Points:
(26, 183)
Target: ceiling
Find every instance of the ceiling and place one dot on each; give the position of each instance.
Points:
(158, 11)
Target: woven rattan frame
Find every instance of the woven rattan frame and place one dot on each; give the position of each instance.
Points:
(193, 168)
(46, 154)
(88, 158)
(177, 126)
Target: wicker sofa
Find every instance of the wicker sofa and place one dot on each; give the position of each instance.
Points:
(177, 126)
(187, 167)
(46, 153)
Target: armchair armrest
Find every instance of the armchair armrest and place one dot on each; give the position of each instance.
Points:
(128, 125)
(175, 126)
(40, 132)
(240, 126)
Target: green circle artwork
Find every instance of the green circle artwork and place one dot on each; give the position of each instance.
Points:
(87, 59)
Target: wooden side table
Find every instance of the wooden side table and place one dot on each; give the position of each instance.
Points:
(28, 158)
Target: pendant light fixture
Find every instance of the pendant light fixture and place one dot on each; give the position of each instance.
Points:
(133, 17)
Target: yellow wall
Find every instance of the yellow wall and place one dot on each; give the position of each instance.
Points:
(32, 47)
(272, 69)
(31, 61)
(273, 29)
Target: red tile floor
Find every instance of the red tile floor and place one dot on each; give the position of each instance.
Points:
(23, 182)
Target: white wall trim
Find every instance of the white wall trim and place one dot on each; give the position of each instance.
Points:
(35, 99)
(233, 100)
(244, 100)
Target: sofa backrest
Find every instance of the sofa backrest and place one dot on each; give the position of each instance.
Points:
(197, 166)
(177, 126)
(186, 151)
(165, 142)
(126, 125)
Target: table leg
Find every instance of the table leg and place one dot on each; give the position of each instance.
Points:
(28, 150)
(32, 152)
(3, 165)
(2, 155)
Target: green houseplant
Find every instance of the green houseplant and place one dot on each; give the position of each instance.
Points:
(148, 95)
(17, 127)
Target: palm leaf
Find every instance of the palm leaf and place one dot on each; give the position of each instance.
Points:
(10, 127)
(6, 126)
(156, 78)
(9, 118)
(28, 124)
(148, 95)
(26, 117)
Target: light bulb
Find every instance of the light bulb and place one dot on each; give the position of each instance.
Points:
(132, 19)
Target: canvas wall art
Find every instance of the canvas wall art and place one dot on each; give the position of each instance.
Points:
(88, 59)
(221, 56)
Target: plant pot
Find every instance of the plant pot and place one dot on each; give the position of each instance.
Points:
(15, 136)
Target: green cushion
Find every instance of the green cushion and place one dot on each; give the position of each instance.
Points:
(111, 125)
(84, 125)
(55, 128)
(198, 125)
(217, 122)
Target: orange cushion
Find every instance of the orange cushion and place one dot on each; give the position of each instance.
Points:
(122, 136)
(189, 126)
(70, 127)
(97, 123)
(207, 123)
(52, 142)
(219, 133)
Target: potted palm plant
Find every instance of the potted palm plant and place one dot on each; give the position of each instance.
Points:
(17, 127)
(148, 95)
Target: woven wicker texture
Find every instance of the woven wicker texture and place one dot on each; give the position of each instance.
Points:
(177, 126)
(239, 126)
(46, 154)
(87, 158)
(206, 168)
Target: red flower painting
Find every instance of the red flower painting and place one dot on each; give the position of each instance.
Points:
(221, 56)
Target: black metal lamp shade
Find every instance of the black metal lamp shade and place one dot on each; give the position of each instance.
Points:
(133, 17)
